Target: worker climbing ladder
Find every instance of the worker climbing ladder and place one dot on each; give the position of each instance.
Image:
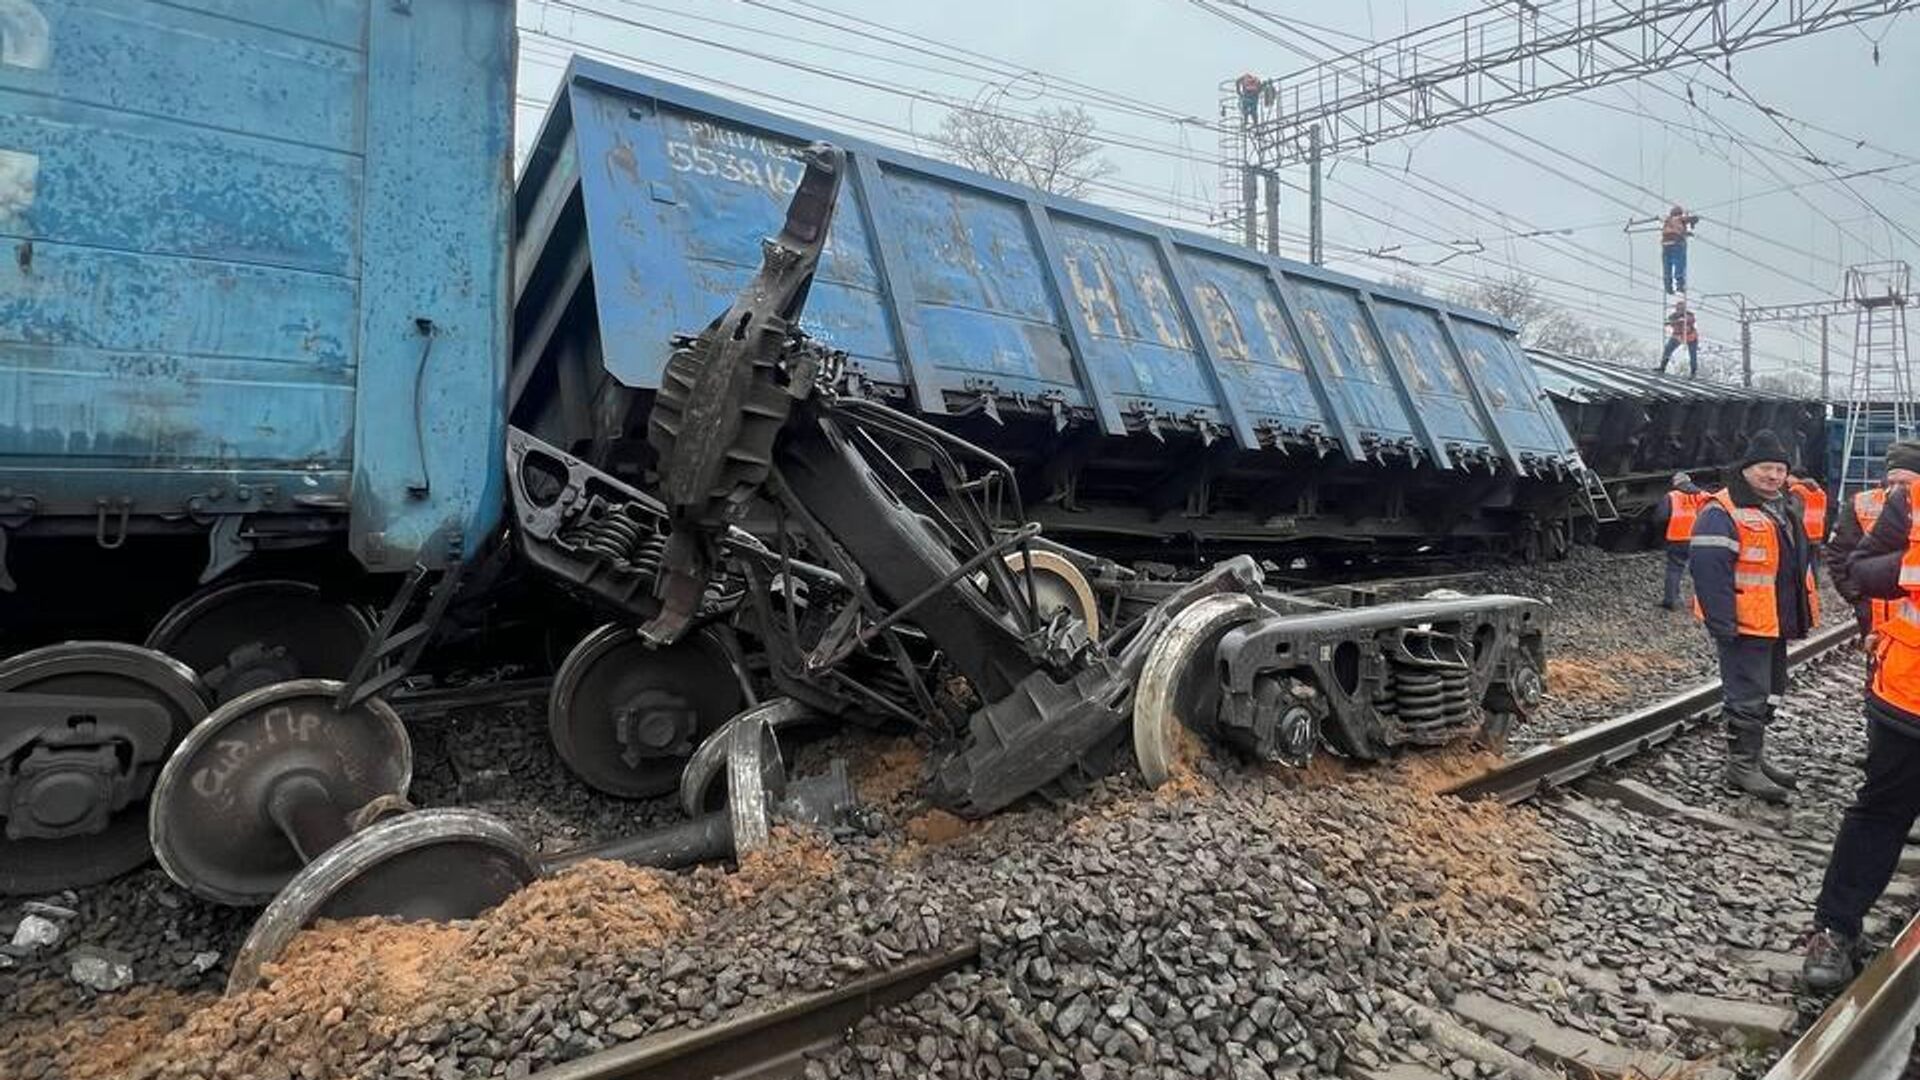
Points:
(1879, 399)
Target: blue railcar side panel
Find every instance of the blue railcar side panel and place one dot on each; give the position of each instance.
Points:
(979, 289)
(1141, 344)
(237, 73)
(67, 403)
(677, 205)
(221, 220)
(113, 180)
(434, 324)
(1262, 363)
(1513, 389)
(1416, 340)
(953, 286)
(1359, 372)
(336, 22)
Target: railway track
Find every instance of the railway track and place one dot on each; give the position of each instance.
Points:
(1571, 757)
(1866, 1032)
(1869, 1030)
(747, 991)
(768, 1044)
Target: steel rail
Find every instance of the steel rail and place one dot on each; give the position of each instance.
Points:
(1868, 1031)
(1570, 757)
(433, 701)
(767, 1044)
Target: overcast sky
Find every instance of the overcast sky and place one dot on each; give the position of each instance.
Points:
(1597, 158)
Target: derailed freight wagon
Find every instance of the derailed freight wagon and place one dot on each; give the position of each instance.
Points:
(254, 278)
(253, 333)
(1158, 392)
(257, 306)
(1638, 428)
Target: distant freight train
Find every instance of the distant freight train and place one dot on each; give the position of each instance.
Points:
(270, 296)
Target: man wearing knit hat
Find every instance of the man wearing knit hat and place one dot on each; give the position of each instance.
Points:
(1753, 587)
(1883, 567)
(1855, 520)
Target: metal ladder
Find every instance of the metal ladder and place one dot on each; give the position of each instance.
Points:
(1599, 501)
(1880, 408)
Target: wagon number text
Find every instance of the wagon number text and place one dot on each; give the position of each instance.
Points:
(768, 176)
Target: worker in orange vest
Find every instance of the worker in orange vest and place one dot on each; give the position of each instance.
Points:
(1682, 330)
(1813, 503)
(1753, 587)
(1249, 87)
(1675, 515)
(1854, 523)
(1674, 230)
(1885, 565)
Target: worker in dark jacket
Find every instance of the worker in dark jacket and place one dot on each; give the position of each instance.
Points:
(1884, 566)
(1856, 520)
(1674, 516)
(1753, 587)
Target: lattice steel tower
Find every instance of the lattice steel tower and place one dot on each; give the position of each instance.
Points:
(1879, 399)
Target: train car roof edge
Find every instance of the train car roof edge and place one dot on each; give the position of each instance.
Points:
(558, 121)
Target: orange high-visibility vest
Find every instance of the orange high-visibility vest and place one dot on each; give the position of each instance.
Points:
(1896, 669)
(1813, 501)
(1682, 508)
(1867, 506)
(1756, 569)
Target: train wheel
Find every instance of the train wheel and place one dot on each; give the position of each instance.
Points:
(84, 729)
(1059, 585)
(427, 865)
(711, 764)
(270, 781)
(625, 716)
(1179, 687)
(248, 634)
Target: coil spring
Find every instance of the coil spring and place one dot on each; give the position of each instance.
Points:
(1425, 699)
(618, 537)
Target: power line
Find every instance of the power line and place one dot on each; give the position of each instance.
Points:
(1164, 197)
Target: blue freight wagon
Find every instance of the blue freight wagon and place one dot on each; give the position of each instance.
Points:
(1157, 388)
(255, 273)
(253, 317)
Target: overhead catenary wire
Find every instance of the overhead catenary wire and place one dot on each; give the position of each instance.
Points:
(1185, 211)
(1577, 297)
(1357, 252)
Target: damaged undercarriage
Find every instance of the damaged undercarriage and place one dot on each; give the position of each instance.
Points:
(810, 556)
(851, 561)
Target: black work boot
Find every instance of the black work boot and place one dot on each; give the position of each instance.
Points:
(1829, 961)
(1743, 767)
(1784, 777)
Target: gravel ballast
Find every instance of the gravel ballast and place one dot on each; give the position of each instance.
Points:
(1240, 922)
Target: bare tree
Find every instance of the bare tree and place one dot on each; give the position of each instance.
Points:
(1054, 150)
(1408, 280)
(1545, 325)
